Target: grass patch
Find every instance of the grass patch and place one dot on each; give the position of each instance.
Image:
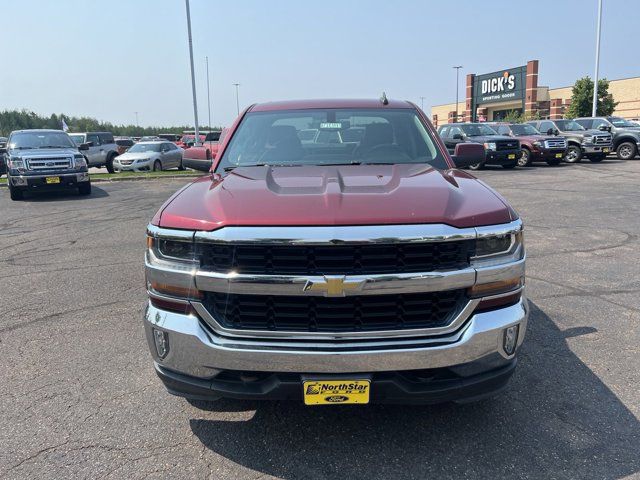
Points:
(115, 176)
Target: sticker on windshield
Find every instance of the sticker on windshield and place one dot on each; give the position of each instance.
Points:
(331, 126)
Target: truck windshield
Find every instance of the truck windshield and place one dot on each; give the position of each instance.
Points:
(41, 140)
(477, 130)
(340, 137)
(569, 126)
(524, 129)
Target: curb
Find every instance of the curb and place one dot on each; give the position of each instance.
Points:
(134, 179)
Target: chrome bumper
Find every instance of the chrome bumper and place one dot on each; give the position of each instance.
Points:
(196, 351)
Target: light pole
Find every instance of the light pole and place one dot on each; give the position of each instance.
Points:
(595, 80)
(455, 120)
(137, 124)
(422, 103)
(208, 96)
(193, 76)
(237, 101)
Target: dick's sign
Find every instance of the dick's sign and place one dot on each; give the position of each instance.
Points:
(502, 86)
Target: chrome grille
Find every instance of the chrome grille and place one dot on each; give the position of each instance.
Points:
(507, 145)
(555, 143)
(602, 139)
(56, 163)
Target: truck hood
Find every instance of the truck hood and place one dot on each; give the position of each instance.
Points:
(334, 195)
(43, 152)
(488, 138)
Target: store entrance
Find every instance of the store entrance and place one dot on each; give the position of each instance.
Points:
(500, 115)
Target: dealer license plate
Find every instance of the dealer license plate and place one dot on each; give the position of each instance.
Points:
(334, 392)
(511, 156)
(52, 180)
(558, 155)
(605, 150)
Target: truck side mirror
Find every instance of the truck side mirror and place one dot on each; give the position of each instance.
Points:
(84, 146)
(467, 154)
(458, 136)
(551, 131)
(604, 128)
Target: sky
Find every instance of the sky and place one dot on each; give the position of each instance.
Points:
(110, 59)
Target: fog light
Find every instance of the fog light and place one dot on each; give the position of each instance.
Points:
(510, 339)
(162, 342)
(19, 180)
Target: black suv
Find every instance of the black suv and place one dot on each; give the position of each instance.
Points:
(592, 144)
(43, 160)
(498, 149)
(626, 135)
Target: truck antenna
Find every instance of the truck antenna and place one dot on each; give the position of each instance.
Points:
(384, 99)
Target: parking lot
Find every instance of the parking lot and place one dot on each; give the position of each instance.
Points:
(79, 398)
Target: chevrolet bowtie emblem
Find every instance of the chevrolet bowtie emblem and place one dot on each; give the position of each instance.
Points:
(333, 285)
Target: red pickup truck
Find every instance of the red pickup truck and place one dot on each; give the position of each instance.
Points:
(342, 269)
(200, 157)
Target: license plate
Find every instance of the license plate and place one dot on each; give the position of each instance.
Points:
(52, 180)
(605, 150)
(335, 392)
(511, 156)
(558, 155)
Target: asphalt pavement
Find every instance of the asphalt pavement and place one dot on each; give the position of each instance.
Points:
(79, 398)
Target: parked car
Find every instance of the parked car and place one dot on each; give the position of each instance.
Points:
(3, 167)
(626, 135)
(124, 144)
(151, 138)
(535, 146)
(39, 160)
(172, 137)
(371, 271)
(102, 148)
(201, 157)
(591, 144)
(499, 149)
(150, 156)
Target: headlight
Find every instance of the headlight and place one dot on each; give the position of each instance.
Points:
(587, 140)
(490, 146)
(537, 144)
(496, 249)
(79, 161)
(16, 163)
(172, 250)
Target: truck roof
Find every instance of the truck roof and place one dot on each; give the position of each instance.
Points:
(328, 103)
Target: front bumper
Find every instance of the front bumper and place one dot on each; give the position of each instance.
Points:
(599, 149)
(502, 157)
(39, 181)
(136, 166)
(197, 356)
(548, 153)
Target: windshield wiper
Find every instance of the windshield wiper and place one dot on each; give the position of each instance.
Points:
(55, 146)
(232, 167)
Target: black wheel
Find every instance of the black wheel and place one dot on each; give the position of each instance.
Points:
(15, 193)
(626, 151)
(597, 158)
(157, 166)
(84, 188)
(552, 162)
(573, 155)
(476, 166)
(181, 167)
(525, 159)
(511, 165)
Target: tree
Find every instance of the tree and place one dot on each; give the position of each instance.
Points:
(582, 99)
(515, 116)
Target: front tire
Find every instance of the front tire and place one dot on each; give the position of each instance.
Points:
(84, 189)
(15, 193)
(157, 166)
(626, 151)
(525, 158)
(574, 154)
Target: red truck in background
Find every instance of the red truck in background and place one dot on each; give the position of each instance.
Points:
(200, 157)
(358, 266)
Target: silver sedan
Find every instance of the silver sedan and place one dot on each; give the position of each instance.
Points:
(149, 156)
